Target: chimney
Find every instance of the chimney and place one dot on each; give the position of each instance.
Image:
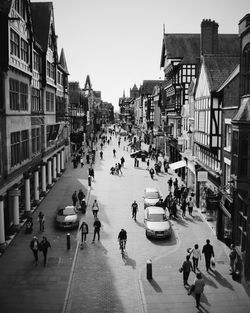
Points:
(209, 37)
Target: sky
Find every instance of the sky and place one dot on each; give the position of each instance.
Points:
(118, 42)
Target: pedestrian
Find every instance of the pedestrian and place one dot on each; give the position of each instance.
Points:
(119, 167)
(122, 161)
(134, 208)
(183, 208)
(175, 183)
(34, 246)
(119, 143)
(151, 172)
(101, 155)
(114, 152)
(41, 221)
(81, 161)
(174, 209)
(186, 269)
(74, 198)
(95, 208)
(148, 165)
(208, 251)
(80, 196)
(84, 229)
(232, 257)
(44, 246)
(92, 172)
(190, 206)
(199, 285)
(196, 256)
(87, 158)
(97, 226)
(101, 145)
(170, 183)
(135, 162)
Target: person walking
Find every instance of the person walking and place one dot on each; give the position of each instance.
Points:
(114, 152)
(122, 161)
(232, 257)
(80, 196)
(151, 172)
(119, 167)
(95, 208)
(190, 206)
(186, 269)
(74, 198)
(92, 172)
(34, 246)
(44, 246)
(84, 229)
(148, 165)
(175, 183)
(101, 155)
(199, 285)
(170, 183)
(183, 208)
(134, 208)
(97, 226)
(196, 256)
(208, 251)
(81, 161)
(41, 221)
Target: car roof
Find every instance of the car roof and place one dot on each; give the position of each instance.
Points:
(155, 210)
(151, 189)
(69, 207)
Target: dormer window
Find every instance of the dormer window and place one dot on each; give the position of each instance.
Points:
(246, 70)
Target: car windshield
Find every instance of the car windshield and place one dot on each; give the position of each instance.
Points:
(157, 217)
(67, 211)
(152, 195)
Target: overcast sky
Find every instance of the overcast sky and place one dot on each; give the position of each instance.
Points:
(118, 42)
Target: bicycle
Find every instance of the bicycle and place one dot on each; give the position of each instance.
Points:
(122, 243)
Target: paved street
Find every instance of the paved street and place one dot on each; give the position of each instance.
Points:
(100, 280)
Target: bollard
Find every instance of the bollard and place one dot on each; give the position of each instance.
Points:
(68, 241)
(149, 269)
(89, 181)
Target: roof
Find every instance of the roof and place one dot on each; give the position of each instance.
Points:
(148, 86)
(235, 72)
(41, 15)
(62, 62)
(243, 114)
(187, 46)
(134, 88)
(155, 210)
(218, 68)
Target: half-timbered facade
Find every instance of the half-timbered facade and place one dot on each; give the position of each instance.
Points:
(30, 157)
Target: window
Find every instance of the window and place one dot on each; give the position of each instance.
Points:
(50, 70)
(23, 96)
(14, 43)
(49, 101)
(246, 70)
(35, 100)
(20, 8)
(24, 50)
(36, 144)
(228, 136)
(14, 94)
(227, 171)
(24, 145)
(15, 148)
(243, 156)
(37, 62)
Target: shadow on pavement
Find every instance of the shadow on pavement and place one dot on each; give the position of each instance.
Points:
(164, 242)
(209, 281)
(140, 224)
(155, 285)
(220, 279)
(128, 261)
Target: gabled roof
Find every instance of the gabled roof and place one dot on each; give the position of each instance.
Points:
(41, 16)
(134, 88)
(218, 68)
(187, 47)
(88, 85)
(243, 114)
(148, 86)
(62, 62)
(235, 72)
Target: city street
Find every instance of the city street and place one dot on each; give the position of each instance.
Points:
(97, 278)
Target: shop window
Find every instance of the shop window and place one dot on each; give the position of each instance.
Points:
(228, 137)
(14, 43)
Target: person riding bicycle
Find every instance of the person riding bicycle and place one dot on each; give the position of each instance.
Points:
(122, 237)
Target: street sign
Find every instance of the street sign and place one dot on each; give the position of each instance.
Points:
(202, 176)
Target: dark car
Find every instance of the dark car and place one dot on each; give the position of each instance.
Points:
(139, 154)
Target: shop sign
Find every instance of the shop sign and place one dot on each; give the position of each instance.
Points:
(202, 176)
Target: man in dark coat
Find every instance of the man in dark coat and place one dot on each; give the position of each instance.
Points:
(208, 251)
(44, 246)
(97, 225)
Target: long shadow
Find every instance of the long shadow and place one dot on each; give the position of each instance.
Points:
(155, 285)
(209, 281)
(164, 242)
(128, 261)
(181, 221)
(191, 219)
(140, 224)
(220, 279)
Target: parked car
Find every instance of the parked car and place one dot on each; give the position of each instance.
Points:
(67, 217)
(157, 222)
(151, 196)
(139, 154)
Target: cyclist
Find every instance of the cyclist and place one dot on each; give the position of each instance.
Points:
(122, 238)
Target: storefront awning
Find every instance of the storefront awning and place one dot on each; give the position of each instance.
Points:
(176, 165)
